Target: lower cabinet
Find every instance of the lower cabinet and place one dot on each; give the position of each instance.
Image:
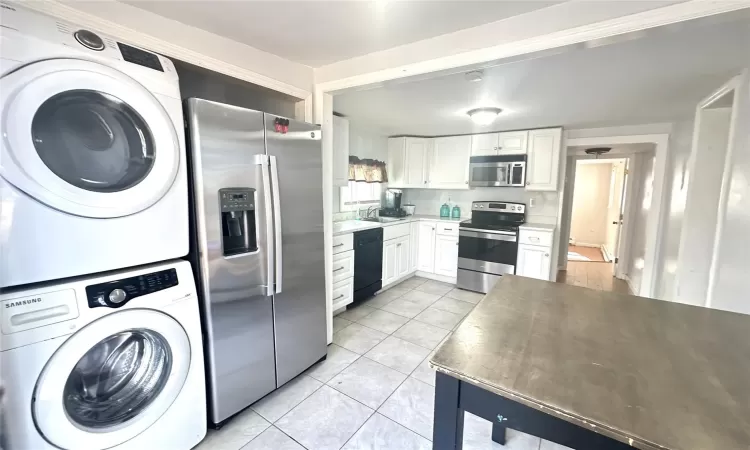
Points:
(343, 293)
(446, 255)
(533, 261)
(396, 255)
(426, 243)
(413, 246)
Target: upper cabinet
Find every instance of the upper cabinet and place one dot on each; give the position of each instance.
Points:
(491, 144)
(340, 151)
(416, 151)
(396, 163)
(449, 163)
(543, 159)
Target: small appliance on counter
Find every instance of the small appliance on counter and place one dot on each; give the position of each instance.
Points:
(392, 204)
(488, 244)
(410, 209)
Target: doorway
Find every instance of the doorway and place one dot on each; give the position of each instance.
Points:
(598, 201)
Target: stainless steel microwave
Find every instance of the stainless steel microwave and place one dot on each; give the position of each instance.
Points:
(497, 170)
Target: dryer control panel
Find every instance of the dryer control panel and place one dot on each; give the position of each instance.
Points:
(116, 293)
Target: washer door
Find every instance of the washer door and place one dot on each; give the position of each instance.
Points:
(85, 139)
(111, 380)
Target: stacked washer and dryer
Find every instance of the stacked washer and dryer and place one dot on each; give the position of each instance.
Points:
(101, 339)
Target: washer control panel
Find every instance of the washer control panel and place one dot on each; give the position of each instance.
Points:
(116, 293)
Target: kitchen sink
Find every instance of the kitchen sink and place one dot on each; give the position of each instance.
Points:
(384, 219)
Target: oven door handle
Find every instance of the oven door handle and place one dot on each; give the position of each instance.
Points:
(495, 236)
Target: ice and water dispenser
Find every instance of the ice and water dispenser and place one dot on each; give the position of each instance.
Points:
(238, 221)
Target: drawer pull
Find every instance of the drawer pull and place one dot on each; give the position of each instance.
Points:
(340, 268)
(338, 245)
(447, 229)
(340, 296)
(533, 239)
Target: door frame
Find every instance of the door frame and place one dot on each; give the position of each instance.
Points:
(655, 218)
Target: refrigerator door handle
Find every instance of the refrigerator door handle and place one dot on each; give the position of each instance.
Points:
(262, 160)
(276, 221)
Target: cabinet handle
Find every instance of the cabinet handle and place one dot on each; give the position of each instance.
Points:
(338, 245)
(528, 183)
(447, 229)
(546, 254)
(340, 268)
(340, 296)
(533, 239)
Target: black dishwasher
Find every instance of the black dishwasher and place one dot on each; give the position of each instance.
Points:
(368, 263)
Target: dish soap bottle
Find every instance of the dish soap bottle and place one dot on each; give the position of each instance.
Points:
(445, 210)
(456, 212)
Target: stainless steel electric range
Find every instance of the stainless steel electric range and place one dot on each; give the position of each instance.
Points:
(488, 244)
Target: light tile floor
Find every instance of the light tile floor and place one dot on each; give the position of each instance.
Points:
(375, 390)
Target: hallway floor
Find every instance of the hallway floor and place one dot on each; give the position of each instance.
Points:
(584, 254)
(593, 275)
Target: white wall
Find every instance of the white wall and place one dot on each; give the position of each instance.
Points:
(643, 168)
(590, 200)
(429, 201)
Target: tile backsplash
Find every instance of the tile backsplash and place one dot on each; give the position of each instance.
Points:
(429, 201)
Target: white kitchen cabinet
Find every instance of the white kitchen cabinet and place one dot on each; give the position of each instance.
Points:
(390, 262)
(449, 163)
(512, 142)
(413, 246)
(446, 255)
(484, 144)
(533, 261)
(340, 165)
(416, 162)
(402, 256)
(543, 159)
(426, 243)
(396, 163)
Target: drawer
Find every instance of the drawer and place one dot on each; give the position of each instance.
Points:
(343, 265)
(446, 229)
(394, 231)
(343, 243)
(535, 237)
(343, 293)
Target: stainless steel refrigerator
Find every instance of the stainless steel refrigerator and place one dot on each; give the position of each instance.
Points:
(258, 249)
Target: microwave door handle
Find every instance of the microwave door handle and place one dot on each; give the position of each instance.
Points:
(276, 221)
(263, 161)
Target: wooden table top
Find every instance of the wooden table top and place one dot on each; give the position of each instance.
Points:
(650, 373)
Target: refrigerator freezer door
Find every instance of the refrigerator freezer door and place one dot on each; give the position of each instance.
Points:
(228, 153)
(300, 300)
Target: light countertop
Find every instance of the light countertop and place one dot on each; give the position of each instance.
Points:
(537, 226)
(652, 373)
(350, 226)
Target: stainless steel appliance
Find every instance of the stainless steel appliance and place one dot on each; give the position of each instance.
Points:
(392, 204)
(257, 250)
(368, 263)
(497, 170)
(488, 244)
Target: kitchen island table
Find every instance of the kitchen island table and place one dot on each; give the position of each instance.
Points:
(595, 370)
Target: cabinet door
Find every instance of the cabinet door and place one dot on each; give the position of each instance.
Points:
(340, 151)
(543, 159)
(396, 162)
(446, 255)
(389, 262)
(533, 262)
(413, 246)
(402, 256)
(426, 243)
(416, 162)
(449, 163)
(484, 144)
(512, 142)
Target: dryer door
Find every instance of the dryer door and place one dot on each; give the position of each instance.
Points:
(111, 380)
(85, 139)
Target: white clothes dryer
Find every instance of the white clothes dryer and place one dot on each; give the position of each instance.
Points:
(108, 362)
(92, 157)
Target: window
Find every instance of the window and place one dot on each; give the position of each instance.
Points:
(359, 195)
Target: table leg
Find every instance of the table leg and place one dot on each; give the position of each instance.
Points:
(498, 433)
(448, 424)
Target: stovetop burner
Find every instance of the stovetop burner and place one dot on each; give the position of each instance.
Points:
(496, 216)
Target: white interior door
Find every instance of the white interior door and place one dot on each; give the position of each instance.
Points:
(614, 209)
(85, 139)
(111, 380)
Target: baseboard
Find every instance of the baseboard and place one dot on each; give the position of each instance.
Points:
(585, 244)
(630, 284)
(436, 277)
(607, 255)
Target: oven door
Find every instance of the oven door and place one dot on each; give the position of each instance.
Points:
(489, 174)
(492, 252)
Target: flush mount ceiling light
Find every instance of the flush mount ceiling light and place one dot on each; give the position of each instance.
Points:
(598, 151)
(474, 76)
(484, 116)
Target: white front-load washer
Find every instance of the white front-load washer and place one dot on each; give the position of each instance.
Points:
(92, 157)
(107, 362)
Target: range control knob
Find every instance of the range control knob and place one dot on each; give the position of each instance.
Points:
(117, 296)
(89, 39)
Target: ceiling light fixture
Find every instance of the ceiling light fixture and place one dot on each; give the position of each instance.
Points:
(484, 116)
(474, 76)
(598, 151)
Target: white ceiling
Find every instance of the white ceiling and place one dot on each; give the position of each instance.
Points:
(657, 78)
(316, 33)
